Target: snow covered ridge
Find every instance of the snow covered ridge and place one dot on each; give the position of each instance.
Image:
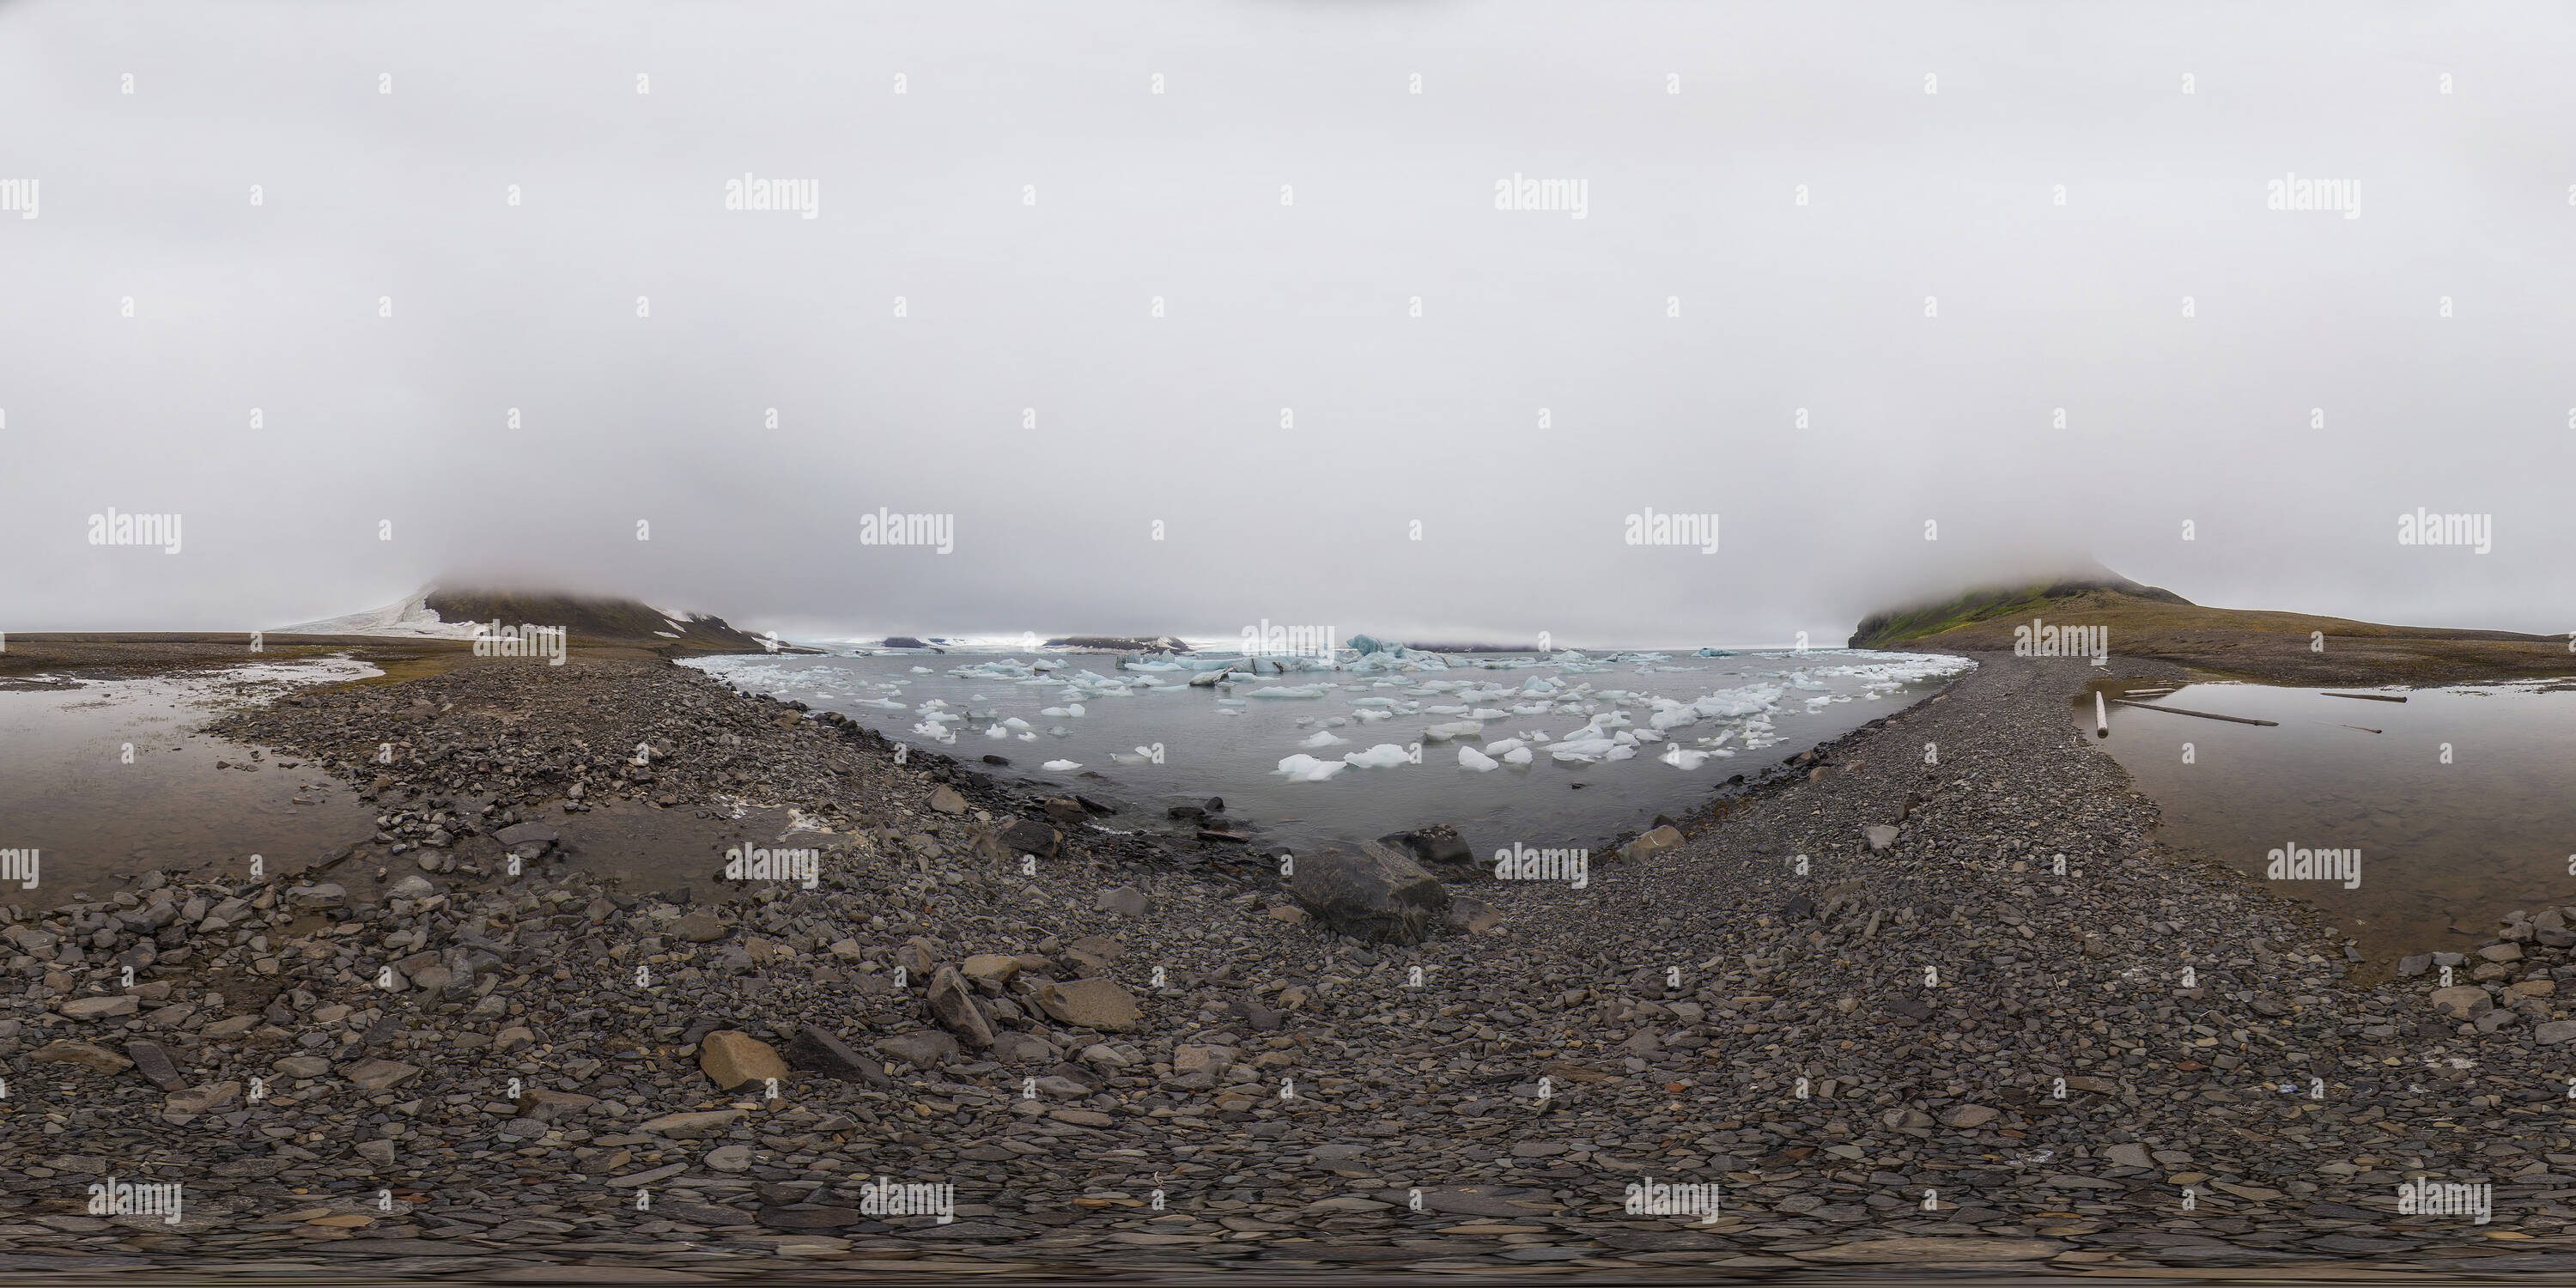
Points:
(435, 612)
(409, 617)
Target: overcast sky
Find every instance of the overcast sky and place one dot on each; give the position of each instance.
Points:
(2163, 124)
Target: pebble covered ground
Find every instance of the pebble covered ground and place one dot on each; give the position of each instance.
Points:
(1864, 1051)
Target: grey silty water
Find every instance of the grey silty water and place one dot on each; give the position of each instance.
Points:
(1146, 740)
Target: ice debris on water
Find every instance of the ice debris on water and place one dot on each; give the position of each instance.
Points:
(1385, 755)
(1062, 766)
(1320, 738)
(1470, 758)
(1306, 769)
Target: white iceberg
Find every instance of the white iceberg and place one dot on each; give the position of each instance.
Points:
(1062, 766)
(1470, 758)
(1385, 755)
(1320, 738)
(1306, 769)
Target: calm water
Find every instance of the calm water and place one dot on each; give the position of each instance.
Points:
(68, 791)
(1759, 708)
(2446, 847)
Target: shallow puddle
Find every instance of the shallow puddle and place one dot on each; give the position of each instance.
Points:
(108, 778)
(2460, 801)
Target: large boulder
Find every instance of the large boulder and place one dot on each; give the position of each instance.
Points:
(1097, 1003)
(1651, 844)
(1029, 836)
(1373, 893)
(731, 1058)
(922, 1049)
(2463, 1002)
(1437, 847)
(952, 1003)
(822, 1053)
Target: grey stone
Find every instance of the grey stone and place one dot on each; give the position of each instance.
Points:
(154, 1064)
(952, 1003)
(925, 1049)
(1372, 893)
(1126, 901)
(815, 1051)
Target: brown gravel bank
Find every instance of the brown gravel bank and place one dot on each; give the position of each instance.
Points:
(1071, 1035)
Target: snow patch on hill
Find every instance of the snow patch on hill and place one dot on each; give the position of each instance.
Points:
(409, 617)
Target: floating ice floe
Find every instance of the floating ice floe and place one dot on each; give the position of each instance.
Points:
(1506, 745)
(1289, 691)
(1320, 738)
(1385, 755)
(1062, 766)
(1306, 769)
(1453, 729)
(1518, 756)
(1470, 758)
(1680, 757)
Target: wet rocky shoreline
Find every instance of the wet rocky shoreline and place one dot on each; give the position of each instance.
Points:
(1921, 1045)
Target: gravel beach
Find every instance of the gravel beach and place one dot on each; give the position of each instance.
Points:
(1859, 998)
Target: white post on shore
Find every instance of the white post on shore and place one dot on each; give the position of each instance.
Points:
(2101, 716)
